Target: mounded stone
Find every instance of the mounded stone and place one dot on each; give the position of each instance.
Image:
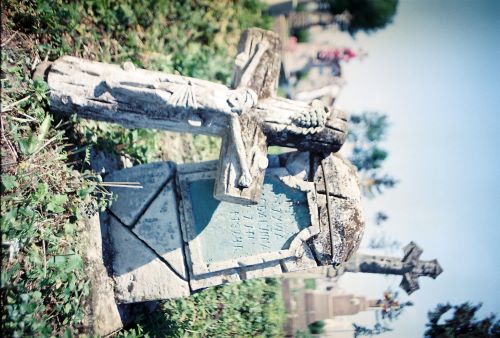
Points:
(345, 184)
(348, 213)
(339, 205)
(160, 229)
(138, 272)
(304, 260)
(130, 203)
(104, 317)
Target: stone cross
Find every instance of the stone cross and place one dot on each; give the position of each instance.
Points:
(248, 116)
(410, 267)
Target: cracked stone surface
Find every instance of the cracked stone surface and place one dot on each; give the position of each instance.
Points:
(138, 272)
(104, 316)
(159, 227)
(131, 203)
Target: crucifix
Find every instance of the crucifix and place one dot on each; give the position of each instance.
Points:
(293, 211)
(410, 267)
(248, 116)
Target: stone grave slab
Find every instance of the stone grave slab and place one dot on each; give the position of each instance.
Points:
(159, 228)
(129, 205)
(139, 274)
(185, 240)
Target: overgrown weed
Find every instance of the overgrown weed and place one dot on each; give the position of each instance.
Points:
(43, 284)
(252, 308)
(43, 197)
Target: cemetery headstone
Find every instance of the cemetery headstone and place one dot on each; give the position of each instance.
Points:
(247, 215)
(184, 239)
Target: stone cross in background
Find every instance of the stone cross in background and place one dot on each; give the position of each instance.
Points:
(248, 116)
(410, 267)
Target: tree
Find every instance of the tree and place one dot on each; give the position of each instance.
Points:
(377, 329)
(373, 183)
(367, 131)
(365, 15)
(317, 327)
(380, 218)
(463, 323)
(389, 309)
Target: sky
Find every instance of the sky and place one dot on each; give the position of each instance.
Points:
(436, 73)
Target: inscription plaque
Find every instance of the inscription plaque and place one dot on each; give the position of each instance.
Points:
(244, 230)
(221, 236)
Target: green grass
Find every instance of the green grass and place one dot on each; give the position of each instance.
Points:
(251, 308)
(195, 38)
(302, 35)
(43, 283)
(310, 283)
(192, 38)
(46, 188)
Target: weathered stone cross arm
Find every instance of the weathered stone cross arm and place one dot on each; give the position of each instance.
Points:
(248, 116)
(410, 267)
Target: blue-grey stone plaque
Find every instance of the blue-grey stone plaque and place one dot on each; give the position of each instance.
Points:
(230, 231)
(224, 238)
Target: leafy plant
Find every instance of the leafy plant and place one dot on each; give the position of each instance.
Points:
(367, 131)
(302, 35)
(366, 15)
(139, 145)
(44, 195)
(43, 283)
(247, 309)
(462, 323)
(317, 327)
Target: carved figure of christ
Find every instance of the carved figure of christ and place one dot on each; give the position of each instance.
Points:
(249, 98)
